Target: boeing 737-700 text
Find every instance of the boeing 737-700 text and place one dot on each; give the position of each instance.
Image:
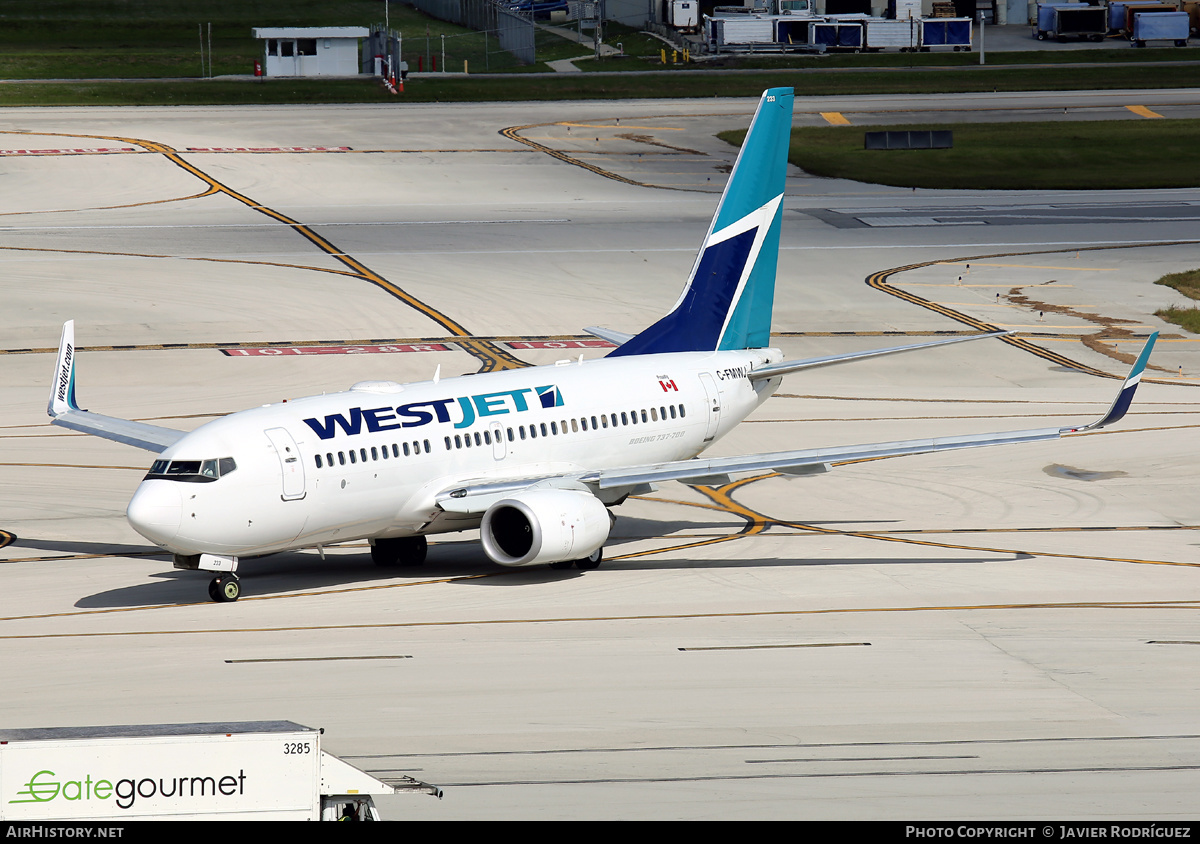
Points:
(534, 457)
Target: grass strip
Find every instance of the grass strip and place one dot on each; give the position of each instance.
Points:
(1187, 283)
(1059, 155)
(579, 86)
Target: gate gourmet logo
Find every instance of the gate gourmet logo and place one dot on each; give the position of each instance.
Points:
(44, 787)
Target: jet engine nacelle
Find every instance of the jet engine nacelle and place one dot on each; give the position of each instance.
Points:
(544, 526)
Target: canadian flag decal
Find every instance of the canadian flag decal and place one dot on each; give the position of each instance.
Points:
(668, 386)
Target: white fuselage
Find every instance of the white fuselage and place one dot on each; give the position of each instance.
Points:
(369, 462)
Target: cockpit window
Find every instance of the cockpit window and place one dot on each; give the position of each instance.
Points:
(191, 471)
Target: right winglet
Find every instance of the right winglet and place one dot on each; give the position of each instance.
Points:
(1121, 404)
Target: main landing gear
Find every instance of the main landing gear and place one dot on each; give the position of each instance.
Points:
(591, 561)
(401, 551)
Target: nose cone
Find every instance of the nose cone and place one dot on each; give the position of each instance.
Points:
(155, 511)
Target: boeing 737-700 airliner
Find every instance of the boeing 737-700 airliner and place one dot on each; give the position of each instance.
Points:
(533, 457)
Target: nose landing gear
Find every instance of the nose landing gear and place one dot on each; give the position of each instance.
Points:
(225, 588)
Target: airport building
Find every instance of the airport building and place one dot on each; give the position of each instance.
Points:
(311, 50)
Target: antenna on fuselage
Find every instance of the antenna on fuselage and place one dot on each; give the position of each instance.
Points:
(437, 374)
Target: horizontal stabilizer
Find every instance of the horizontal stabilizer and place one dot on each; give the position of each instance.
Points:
(617, 338)
(774, 370)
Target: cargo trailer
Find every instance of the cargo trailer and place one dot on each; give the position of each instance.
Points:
(741, 30)
(249, 770)
(1071, 20)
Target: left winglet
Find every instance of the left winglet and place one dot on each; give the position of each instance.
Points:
(65, 411)
(62, 391)
(1125, 397)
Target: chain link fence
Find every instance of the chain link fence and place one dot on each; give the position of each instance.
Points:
(504, 30)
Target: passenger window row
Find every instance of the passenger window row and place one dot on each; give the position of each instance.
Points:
(482, 438)
(582, 423)
(374, 453)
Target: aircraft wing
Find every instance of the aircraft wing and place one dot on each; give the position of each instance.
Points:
(812, 461)
(65, 412)
(476, 497)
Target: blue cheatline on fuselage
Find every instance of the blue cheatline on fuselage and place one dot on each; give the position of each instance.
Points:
(729, 297)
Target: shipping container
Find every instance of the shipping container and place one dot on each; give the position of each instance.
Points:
(837, 35)
(1192, 7)
(945, 32)
(1146, 9)
(1117, 10)
(253, 770)
(1161, 26)
(899, 35)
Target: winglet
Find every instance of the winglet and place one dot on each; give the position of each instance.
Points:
(1124, 398)
(62, 391)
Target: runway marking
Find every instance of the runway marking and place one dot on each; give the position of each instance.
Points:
(953, 401)
(100, 151)
(1142, 111)
(771, 647)
(835, 118)
(799, 745)
(1098, 769)
(1182, 604)
(313, 659)
(492, 358)
(1032, 267)
(545, 341)
(859, 759)
(939, 417)
(617, 125)
(1169, 642)
(71, 466)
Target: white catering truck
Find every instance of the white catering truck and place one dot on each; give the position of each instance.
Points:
(266, 770)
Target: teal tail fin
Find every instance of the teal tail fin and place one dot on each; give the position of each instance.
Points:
(729, 297)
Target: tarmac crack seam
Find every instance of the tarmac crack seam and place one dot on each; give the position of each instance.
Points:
(880, 281)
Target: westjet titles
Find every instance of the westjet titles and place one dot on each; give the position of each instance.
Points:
(424, 412)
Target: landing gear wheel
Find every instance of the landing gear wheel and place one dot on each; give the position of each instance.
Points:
(564, 564)
(225, 589)
(402, 551)
(592, 561)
